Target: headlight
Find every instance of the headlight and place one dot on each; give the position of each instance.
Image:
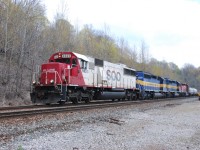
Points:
(34, 82)
(51, 81)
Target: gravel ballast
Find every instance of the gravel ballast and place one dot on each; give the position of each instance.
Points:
(159, 125)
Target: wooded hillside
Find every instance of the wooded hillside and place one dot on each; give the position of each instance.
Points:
(28, 39)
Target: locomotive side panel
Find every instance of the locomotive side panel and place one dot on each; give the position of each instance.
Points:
(150, 86)
(108, 75)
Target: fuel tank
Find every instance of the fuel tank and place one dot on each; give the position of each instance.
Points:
(105, 95)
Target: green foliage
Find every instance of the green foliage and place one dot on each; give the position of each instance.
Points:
(20, 148)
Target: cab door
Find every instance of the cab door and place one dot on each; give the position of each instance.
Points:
(74, 70)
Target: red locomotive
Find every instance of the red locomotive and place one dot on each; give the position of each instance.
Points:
(69, 76)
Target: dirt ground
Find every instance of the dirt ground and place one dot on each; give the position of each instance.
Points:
(154, 126)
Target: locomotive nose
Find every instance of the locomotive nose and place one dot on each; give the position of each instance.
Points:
(54, 73)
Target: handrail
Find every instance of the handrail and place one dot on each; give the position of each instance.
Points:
(56, 73)
(35, 74)
(68, 74)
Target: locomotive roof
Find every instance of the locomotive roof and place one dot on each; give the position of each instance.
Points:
(81, 56)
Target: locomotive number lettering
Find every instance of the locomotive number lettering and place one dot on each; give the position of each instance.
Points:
(113, 75)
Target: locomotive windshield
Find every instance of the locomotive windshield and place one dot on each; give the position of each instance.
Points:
(63, 60)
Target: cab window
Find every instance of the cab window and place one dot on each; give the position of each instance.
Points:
(74, 62)
(83, 64)
(66, 60)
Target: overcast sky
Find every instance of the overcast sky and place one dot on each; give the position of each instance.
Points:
(171, 28)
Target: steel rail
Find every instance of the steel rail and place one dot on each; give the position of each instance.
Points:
(20, 107)
(76, 108)
(60, 109)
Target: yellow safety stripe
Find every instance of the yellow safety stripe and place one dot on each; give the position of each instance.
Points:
(144, 83)
(172, 87)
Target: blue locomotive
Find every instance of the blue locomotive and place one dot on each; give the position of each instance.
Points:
(151, 86)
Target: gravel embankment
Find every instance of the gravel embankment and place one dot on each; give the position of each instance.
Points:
(157, 126)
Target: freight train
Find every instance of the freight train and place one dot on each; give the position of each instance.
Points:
(69, 76)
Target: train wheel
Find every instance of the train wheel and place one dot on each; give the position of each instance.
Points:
(79, 97)
(128, 97)
(62, 102)
(74, 100)
(142, 97)
(87, 100)
(135, 97)
(125, 98)
(152, 95)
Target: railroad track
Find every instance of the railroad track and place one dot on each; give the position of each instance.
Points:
(67, 108)
(20, 107)
(13, 108)
(61, 109)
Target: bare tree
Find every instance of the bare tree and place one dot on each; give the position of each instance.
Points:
(19, 37)
(144, 56)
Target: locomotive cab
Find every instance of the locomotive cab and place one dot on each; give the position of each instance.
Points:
(70, 64)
